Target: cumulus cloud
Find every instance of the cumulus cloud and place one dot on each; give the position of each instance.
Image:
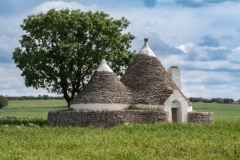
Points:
(186, 47)
(210, 83)
(46, 6)
(235, 55)
(160, 48)
(11, 84)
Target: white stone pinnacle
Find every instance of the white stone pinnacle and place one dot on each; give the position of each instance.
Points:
(104, 66)
(146, 49)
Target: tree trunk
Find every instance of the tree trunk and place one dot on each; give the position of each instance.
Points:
(66, 97)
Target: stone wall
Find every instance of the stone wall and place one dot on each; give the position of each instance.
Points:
(200, 117)
(85, 118)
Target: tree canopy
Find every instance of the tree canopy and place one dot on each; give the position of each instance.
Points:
(60, 50)
(3, 101)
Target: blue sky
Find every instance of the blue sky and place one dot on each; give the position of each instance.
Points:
(201, 37)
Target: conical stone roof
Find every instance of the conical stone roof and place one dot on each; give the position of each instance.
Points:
(148, 80)
(103, 87)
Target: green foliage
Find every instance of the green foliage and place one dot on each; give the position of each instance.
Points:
(39, 97)
(220, 100)
(21, 98)
(61, 49)
(31, 97)
(140, 141)
(3, 101)
(45, 97)
(212, 100)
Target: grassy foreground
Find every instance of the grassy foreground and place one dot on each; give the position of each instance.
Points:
(220, 140)
(30, 138)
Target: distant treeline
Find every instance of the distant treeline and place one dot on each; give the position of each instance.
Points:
(39, 97)
(192, 99)
(213, 100)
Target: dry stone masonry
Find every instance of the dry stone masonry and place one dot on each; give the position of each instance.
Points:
(103, 87)
(200, 117)
(148, 81)
(84, 118)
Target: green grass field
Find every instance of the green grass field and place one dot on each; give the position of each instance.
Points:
(220, 140)
(32, 108)
(40, 108)
(30, 138)
(36, 103)
(219, 110)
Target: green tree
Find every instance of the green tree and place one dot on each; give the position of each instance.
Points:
(45, 97)
(61, 49)
(22, 98)
(220, 100)
(39, 97)
(31, 97)
(3, 101)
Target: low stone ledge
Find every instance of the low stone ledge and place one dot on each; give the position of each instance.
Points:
(200, 117)
(83, 118)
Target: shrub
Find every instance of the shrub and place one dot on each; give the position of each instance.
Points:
(3, 101)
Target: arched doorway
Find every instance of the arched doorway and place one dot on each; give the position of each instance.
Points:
(176, 111)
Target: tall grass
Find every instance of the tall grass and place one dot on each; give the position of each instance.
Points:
(220, 140)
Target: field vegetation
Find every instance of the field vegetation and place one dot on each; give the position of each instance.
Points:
(220, 140)
(32, 108)
(30, 138)
(220, 110)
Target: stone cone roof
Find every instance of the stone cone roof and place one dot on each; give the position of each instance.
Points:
(103, 87)
(148, 80)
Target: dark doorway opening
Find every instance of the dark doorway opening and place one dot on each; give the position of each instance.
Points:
(174, 115)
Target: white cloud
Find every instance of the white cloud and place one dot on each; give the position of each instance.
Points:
(13, 85)
(7, 43)
(46, 6)
(235, 55)
(186, 47)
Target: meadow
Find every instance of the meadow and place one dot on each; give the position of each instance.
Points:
(32, 108)
(220, 110)
(40, 108)
(30, 138)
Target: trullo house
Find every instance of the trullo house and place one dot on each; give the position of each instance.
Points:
(145, 84)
